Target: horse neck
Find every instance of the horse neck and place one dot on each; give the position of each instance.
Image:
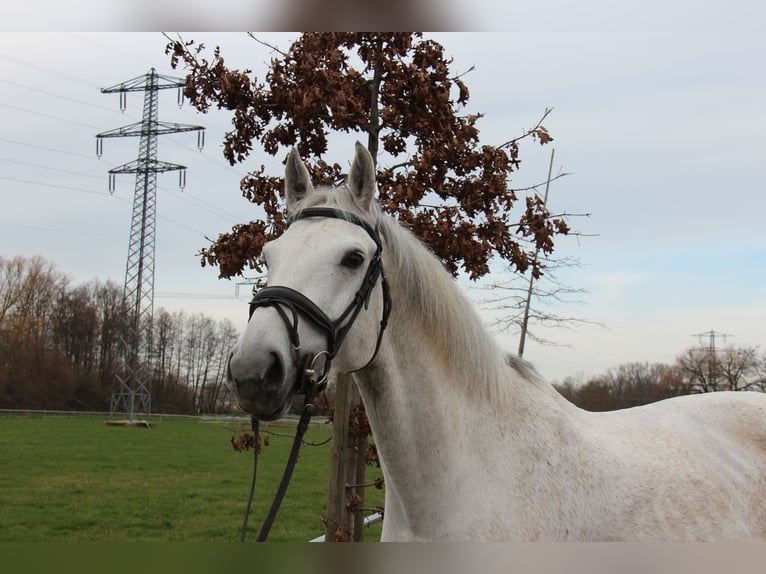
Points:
(434, 327)
(441, 396)
(439, 369)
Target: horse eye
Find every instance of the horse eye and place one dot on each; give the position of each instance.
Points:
(353, 260)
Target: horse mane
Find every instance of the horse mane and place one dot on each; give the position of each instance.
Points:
(428, 293)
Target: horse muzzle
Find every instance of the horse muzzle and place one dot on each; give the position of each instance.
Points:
(262, 384)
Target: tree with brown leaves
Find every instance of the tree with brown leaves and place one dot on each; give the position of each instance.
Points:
(438, 180)
(397, 88)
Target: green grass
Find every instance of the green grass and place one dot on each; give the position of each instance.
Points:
(66, 479)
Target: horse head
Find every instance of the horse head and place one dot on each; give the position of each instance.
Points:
(326, 304)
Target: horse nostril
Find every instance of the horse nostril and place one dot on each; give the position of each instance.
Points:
(275, 372)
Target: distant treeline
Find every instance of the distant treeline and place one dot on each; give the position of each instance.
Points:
(697, 370)
(61, 346)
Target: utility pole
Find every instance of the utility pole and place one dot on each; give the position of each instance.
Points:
(530, 290)
(133, 386)
(711, 352)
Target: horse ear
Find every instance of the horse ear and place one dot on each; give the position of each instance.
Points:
(361, 178)
(297, 180)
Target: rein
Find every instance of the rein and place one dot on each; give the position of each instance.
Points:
(303, 425)
(290, 303)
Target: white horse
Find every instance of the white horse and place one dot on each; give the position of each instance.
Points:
(473, 446)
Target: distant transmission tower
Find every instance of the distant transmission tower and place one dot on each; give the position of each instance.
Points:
(133, 391)
(711, 351)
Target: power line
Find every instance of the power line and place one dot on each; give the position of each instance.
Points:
(57, 186)
(46, 167)
(111, 48)
(55, 95)
(47, 70)
(183, 225)
(44, 148)
(76, 79)
(204, 206)
(87, 233)
(105, 194)
(48, 116)
(187, 197)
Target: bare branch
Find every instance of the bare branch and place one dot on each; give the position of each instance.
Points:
(510, 297)
(528, 133)
(273, 48)
(468, 71)
(390, 169)
(539, 185)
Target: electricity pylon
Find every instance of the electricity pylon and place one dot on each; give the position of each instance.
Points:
(133, 386)
(711, 352)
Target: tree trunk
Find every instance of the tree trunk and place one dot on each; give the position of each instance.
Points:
(344, 457)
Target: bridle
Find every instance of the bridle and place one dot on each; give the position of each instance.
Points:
(310, 378)
(282, 298)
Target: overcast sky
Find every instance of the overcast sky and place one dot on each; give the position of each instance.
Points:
(662, 133)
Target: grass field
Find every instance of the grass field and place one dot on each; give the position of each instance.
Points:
(66, 479)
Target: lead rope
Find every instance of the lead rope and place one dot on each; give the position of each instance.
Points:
(303, 425)
(254, 424)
